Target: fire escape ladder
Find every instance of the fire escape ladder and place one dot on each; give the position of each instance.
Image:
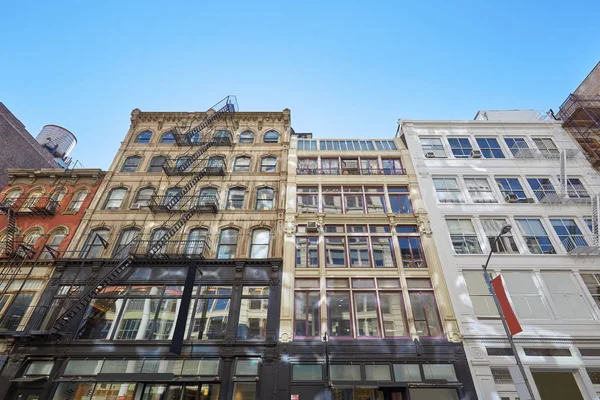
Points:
(158, 245)
(83, 301)
(596, 220)
(11, 230)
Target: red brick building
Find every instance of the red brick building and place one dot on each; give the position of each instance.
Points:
(45, 208)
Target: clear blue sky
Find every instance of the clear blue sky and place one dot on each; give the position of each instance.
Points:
(345, 69)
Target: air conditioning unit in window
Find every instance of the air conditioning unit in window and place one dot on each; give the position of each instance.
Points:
(312, 226)
(430, 154)
(511, 198)
(136, 206)
(476, 154)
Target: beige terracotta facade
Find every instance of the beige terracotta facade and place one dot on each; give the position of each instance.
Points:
(370, 177)
(245, 219)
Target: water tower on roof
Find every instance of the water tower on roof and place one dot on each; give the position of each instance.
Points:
(58, 141)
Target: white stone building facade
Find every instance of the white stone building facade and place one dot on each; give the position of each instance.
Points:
(474, 177)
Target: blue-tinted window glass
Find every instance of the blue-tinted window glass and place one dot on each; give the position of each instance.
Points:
(300, 144)
(370, 145)
(490, 148)
(392, 145)
(167, 138)
(350, 145)
(515, 144)
(322, 145)
(144, 137)
(461, 147)
(510, 186)
(379, 145)
(363, 145)
(541, 187)
(336, 145)
(343, 145)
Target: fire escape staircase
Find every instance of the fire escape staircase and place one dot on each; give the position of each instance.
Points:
(230, 107)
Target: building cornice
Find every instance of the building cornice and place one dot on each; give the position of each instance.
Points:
(138, 116)
(475, 123)
(52, 173)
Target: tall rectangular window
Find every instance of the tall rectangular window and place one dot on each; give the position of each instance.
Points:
(399, 200)
(511, 187)
(480, 190)
(433, 146)
(592, 282)
(307, 252)
(463, 236)
(15, 301)
(335, 252)
(332, 200)
(358, 249)
(209, 313)
(382, 252)
(569, 233)
(306, 314)
(547, 147)
(353, 200)
(307, 166)
(411, 252)
(424, 308)
(535, 235)
(339, 321)
(252, 324)
(565, 295)
(506, 243)
(461, 147)
(447, 190)
(525, 295)
(365, 309)
(307, 199)
(541, 187)
(483, 302)
(490, 148)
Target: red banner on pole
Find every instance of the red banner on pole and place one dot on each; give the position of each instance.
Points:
(509, 315)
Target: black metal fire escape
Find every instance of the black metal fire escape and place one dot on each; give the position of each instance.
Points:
(226, 107)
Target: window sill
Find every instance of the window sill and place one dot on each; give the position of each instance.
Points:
(69, 212)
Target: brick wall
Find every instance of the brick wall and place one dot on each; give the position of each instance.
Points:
(18, 149)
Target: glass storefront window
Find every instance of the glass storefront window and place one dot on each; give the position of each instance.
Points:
(244, 391)
(377, 372)
(247, 366)
(307, 372)
(345, 372)
(407, 373)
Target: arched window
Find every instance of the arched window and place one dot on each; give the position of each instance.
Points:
(265, 199)
(207, 196)
(181, 161)
(53, 243)
(131, 164)
(223, 133)
(241, 164)
(167, 137)
(144, 137)
(11, 197)
(32, 237)
(268, 164)
(193, 139)
(216, 162)
(246, 137)
(156, 164)
(156, 236)
(235, 198)
(196, 242)
(228, 240)
(271, 137)
(58, 194)
(115, 199)
(77, 201)
(259, 245)
(32, 199)
(126, 241)
(144, 195)
(170, 194)
(95, 243)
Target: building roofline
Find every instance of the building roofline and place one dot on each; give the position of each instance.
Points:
(24, 172)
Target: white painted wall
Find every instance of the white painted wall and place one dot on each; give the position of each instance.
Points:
(554, 331)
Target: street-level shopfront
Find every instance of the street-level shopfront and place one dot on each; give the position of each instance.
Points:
(121, 345)
(375, 370)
